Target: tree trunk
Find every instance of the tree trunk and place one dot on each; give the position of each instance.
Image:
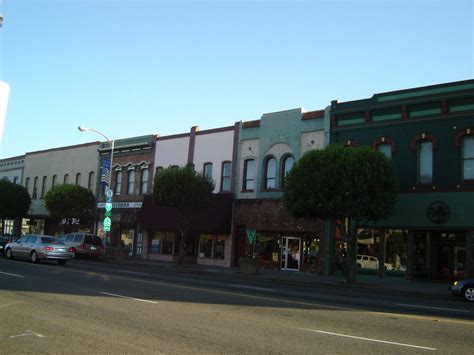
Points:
(381, 256)
(351, 275)
(183, 230)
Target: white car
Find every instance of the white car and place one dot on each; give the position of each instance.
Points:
(371, 262)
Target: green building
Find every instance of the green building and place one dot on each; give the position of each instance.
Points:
(428, 133)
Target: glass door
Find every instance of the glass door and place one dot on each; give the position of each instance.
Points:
(291, 253)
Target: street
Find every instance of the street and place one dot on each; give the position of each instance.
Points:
(87, 307)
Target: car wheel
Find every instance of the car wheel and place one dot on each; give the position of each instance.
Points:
(62, 262)
(34, 257)
(468, 293)
(8, 254)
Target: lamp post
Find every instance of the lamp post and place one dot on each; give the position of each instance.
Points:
(108, 190)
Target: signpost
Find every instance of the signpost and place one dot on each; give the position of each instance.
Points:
(108, 209)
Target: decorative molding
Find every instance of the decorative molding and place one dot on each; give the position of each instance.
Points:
(424, 137)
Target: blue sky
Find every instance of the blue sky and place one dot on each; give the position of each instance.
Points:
(130, 68)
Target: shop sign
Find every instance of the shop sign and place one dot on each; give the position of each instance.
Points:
(251, 235)
(122, 205)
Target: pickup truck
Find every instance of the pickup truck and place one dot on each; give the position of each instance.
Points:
(371, 262)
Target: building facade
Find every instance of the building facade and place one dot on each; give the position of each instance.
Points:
(209, 241)
(428, 134)
(11, 169)
(267, 150)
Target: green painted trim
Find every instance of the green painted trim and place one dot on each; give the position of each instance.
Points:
(431, 111)
(425, 92)
(386, 117)
(462, 108)
(350, 121)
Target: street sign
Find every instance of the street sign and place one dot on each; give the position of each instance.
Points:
(251, 235)
(107, 224)
(109, 192)
(108, 213)
(108, 206)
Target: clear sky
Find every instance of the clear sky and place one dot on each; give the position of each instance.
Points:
(136, 67)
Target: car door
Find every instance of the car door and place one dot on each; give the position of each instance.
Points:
(29, 245)
(18, 245)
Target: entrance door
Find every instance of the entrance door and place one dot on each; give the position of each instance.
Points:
(291, 253)
(459, 261)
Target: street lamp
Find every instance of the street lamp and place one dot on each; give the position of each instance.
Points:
(108, 190)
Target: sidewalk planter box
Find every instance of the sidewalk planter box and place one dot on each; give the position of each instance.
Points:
(119, 253)
(250, 266)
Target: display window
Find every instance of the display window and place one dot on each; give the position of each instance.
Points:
(212, 246)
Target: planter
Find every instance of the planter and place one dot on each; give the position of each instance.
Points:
(250, 266)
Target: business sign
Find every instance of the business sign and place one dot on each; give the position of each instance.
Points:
(122, 205)
(251, 235)
(107, 224)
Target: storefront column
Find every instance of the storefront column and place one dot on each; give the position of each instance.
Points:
(381, 256)
(329, 246)
(410, 255)
(469, 254)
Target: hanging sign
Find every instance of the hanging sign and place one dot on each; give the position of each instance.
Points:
(251, 235)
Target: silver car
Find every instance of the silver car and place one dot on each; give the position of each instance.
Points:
(84, 244)
(36, 247)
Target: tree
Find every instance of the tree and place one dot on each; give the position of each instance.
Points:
(70, 201)
(348, 186)
(185, 190)
(14, 200)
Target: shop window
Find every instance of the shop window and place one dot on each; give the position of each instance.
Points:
(225, 176)
(468, 157)
(131, 182)
(425, 162)
(207, 171)
(212, 246)
(270, 174)
(144, 181)
(162, 243)
(90, 182)
(118, 182)
(54, 181)
(43, 186)
(288, 163)
(249, 170)
(268, 248)
(78, 179)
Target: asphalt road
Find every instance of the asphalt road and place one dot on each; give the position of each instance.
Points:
(86, 307)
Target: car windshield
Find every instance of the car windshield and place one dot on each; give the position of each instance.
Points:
(93, 239)
(50, 240)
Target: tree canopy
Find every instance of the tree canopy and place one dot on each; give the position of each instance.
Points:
(70, 201)
(14, 200)
(349, 186)
(185, 190)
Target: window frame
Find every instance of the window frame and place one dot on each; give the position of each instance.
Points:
(90, 181)
(43, 186)
(283, 172)
(225, 177)
(246, 179)
(144, 180)
(118, 182)
(206, 166)
(266, 170)
(463, 161)
(54, 181)
(78, 179)
(131, 181)
(419, 162)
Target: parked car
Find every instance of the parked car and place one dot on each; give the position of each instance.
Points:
(84, 244)
(4, 240)
(464, 288)
(371, 262)
(36, 247)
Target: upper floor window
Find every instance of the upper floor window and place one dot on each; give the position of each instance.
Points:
(207, 170)
(43, 187)
(66, 178)
(54, 181)
(270, 174)
(144, 181)
(468, 157)
(78, 178)
(35, 187)
(158, 170)
(425, 162)
(288, 163)
(385, 149)
(15, 180)
(118, 182)
(249, 170)
(131, 182)
(225, 176)
(27, 184)
(90, 183)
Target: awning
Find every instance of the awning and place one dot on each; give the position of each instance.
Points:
(215, 219)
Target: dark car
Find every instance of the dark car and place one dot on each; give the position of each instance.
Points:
(84, 244)
(4, 240)
(464, 288)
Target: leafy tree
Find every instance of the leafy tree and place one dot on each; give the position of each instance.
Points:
(14, 200)
(348, 186)
(185, 190)
(70, 201)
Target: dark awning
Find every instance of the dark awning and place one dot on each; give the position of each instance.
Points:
(214, 219)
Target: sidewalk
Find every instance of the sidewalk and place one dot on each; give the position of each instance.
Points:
(364, 282)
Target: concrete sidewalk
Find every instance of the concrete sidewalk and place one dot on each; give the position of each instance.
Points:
(387, 284)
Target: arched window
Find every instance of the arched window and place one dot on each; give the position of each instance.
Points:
(468, 157)
(78, 179)
(225, 176)
(144, 181)
(54, 181)
(131, 182)
(27, 184)
(90, 182)
(270, 174)
(386, 149)
(66, 178)
(43, 186)
(288, 163)
(207, 170)
(425, 162)
(248, 176)
(118, 182)
(35, 187)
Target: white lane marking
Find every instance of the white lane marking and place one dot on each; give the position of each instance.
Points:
(28, 333)
(129, 298)
(369, 339)
(438, 308)
(134, 273)
(252, 287)
(14, 275)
